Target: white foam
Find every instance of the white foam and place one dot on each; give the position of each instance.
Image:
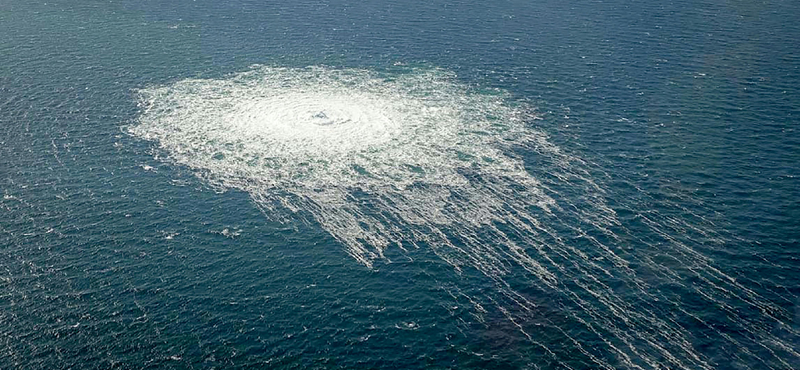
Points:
(411, 141)
(417, 159)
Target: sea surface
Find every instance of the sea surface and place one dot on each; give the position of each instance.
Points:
(404, 185)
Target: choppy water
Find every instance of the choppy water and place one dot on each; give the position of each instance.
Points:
(410, 185)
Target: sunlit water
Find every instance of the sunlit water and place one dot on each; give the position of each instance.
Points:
(277, 187)
(417, 160)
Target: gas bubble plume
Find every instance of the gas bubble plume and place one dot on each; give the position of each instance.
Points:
(418, 160)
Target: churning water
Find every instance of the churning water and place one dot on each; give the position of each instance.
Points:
(417, 160)
(407, 184)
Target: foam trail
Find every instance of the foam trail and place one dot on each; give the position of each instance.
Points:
(417, 160)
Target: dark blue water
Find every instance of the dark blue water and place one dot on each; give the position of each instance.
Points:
(682, 116)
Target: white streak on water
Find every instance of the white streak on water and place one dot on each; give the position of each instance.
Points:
(417, 160)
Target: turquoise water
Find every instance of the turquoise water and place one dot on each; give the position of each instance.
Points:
(407, 185)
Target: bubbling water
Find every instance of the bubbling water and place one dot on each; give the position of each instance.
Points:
(318, 134)
(418, 160)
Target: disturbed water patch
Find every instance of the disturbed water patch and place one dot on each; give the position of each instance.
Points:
(418, 160)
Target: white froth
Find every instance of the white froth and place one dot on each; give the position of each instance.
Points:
(313, 128)
(417, 159)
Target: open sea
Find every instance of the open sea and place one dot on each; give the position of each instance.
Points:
(399, 185)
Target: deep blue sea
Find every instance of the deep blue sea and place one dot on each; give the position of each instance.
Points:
(411, 184)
